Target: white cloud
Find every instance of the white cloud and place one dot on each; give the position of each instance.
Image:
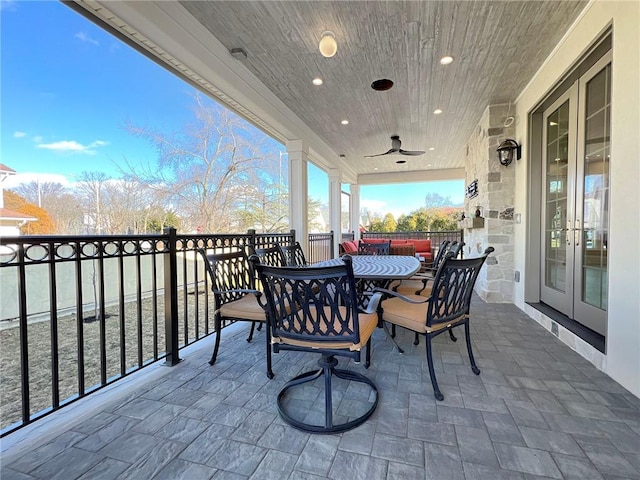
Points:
(83, 37)
(373, 205)
(71, 146)
(19, 134)
(38, 139)
(28, 177)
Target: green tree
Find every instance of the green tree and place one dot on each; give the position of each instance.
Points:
(389, 223)
(157, 223)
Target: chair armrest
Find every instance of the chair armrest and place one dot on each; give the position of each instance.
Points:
(257, 293)
(374, 301)
(390, 293)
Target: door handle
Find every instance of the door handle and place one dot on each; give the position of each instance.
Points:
(578, 233)
(568, 229)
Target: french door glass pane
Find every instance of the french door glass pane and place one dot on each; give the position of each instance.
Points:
(556, 198)
(595, 206)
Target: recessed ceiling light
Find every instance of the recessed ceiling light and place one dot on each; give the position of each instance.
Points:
(317, 81)
(345, 122)
(376, 168)
(400, 162)
(431, 149)
(428, 164)
(446, 60)
(437, 111)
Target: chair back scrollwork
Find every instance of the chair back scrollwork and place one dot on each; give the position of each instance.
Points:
(294, 255)
(452, 288)
(365, 248)
(317, 304)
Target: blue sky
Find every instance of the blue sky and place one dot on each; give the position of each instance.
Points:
(68, 87)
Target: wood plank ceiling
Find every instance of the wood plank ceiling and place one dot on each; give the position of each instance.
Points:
(497, 47)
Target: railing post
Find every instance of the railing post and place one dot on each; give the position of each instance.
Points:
(292, 232)
(252, 239)
(171, 297)
(332, 245)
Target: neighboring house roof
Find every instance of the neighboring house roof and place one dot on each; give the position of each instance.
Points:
(6, 214)
(5, 169)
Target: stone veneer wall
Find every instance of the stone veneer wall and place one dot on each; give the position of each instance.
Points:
(496, 188)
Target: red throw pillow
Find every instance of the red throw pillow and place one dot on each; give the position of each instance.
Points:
(350, 247)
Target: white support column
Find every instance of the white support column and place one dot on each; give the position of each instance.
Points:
(335, 206)
(354, 210)
(298, 153)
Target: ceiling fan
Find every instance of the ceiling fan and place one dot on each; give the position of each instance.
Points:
(395, 149)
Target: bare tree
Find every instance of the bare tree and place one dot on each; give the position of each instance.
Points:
(40, 193)
(207, 168)
(59, 202)
(90, 189)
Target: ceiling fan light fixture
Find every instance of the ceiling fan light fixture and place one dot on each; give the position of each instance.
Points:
(437, 111)
(446, 60)
(328, 45)
(382, 84)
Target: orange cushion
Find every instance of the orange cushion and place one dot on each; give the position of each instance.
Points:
(375, 240)
(422, 245)
(399, 242)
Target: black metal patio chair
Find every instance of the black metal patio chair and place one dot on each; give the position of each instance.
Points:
(417, 284)
(269, 255)
(365, 248)
(314, 309)
(233, 285)
(447, 307)
(294, 255)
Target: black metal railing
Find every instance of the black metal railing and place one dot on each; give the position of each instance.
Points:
(347, 236)
(79, 313)
(320, 247)
(436, 237)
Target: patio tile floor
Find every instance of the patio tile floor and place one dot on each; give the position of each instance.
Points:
(538, 410)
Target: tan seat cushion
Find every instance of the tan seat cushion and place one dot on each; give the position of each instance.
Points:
(366, 322)
(412, 315)
(246, 307)
(410, 287)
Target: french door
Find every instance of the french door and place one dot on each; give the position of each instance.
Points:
(575, 208)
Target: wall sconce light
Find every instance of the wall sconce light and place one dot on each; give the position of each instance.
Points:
(328, 46)
(507, 150)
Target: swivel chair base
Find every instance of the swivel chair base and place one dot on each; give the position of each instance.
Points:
(327, 364)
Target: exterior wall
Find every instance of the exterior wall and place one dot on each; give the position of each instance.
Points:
(9, 230)
(622, 361)
(495, 199)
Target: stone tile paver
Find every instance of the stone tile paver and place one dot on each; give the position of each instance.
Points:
(536, 411)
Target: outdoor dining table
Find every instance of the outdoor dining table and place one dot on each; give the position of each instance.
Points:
(382, 268)
(371, 271)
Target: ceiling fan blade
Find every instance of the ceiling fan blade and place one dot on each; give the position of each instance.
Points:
(412, 153)
(388, 152)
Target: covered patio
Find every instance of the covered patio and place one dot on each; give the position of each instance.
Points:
(537, 410)
(551, 402)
